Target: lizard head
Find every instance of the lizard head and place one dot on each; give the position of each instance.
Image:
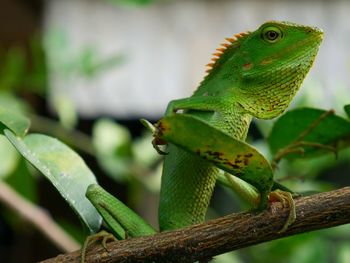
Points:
(272, 62)
(263, 69)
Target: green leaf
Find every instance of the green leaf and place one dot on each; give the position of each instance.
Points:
(12, 103)
(23, 180)
(13, 121)
(233, 156)
(112, 142)
(8, 156)
(329, 131)
(212, 144)
(12, 112)
(64, 168)
(66, 110)
(347, 109)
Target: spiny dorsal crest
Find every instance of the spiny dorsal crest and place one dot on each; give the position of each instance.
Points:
(223, 47)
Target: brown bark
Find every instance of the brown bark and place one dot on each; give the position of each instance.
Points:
(235, 231)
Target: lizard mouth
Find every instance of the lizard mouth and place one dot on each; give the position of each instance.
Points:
(311, 43)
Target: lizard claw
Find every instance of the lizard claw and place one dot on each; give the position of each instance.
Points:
(157, 138)
(156, 142)
(104, 235)
(286, 199)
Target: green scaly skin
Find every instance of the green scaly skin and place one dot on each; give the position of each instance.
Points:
(257, 75)
(121, 220)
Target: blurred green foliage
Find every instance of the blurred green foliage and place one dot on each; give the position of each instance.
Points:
(133, 163)
(127, 161)
(17, 73)
(131, 2)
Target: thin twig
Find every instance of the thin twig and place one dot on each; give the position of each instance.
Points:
(313, 125)
(38, 217)
(235, 231)
(297, 145)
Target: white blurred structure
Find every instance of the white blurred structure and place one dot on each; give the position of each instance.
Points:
(165, 46)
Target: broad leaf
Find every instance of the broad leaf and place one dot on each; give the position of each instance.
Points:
(9, 157)
(13, 121)
(12, 103)
(328, 131)
(212, 144)
(64, 168)
(227, 153)
(347, 109)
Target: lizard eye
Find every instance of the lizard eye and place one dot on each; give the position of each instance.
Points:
(271, 34)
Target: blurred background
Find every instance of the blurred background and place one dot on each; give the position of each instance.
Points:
(85, 71)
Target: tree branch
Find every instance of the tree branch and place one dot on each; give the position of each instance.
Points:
(235, 231)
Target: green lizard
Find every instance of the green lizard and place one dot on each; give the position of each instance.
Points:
(255, 74)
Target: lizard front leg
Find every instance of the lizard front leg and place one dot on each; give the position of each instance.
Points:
(119, 218)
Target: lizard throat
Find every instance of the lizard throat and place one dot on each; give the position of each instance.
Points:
(267, 94)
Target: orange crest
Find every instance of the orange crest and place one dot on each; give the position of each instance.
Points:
(222, 49)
